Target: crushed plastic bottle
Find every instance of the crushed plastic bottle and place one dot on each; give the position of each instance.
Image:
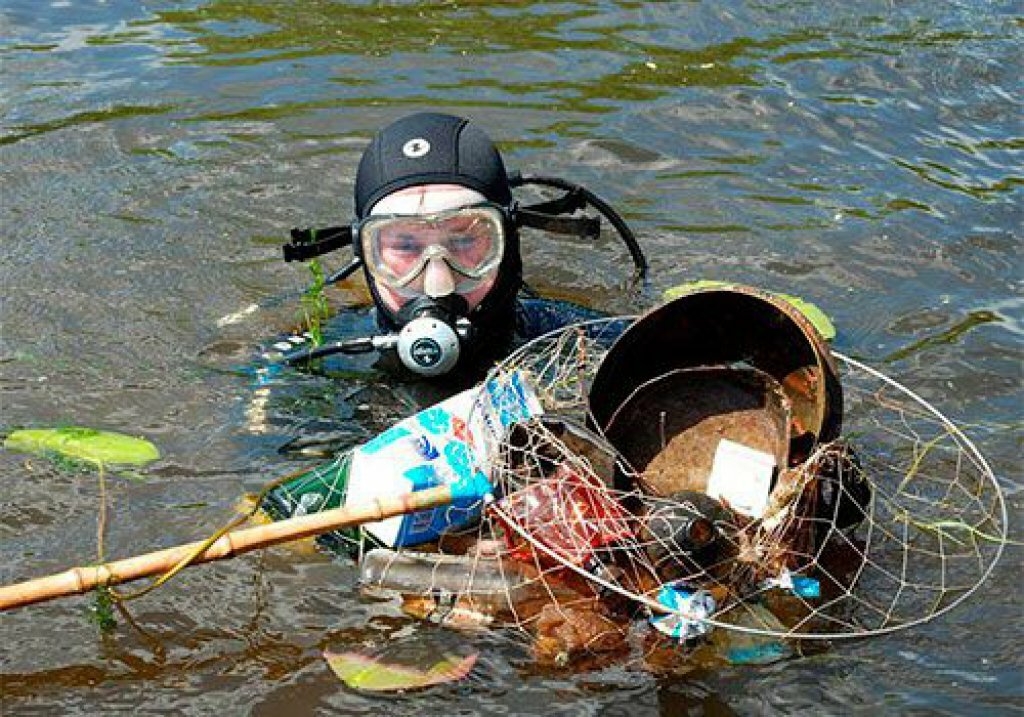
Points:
(690, 608)
(490, 585)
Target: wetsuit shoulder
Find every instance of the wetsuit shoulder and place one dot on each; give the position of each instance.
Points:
(537, 316)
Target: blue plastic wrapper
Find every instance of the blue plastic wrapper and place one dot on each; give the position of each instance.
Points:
(690, 610)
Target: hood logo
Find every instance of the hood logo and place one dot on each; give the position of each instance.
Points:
(415, 148)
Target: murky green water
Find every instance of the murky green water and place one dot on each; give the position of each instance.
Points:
(866, 156)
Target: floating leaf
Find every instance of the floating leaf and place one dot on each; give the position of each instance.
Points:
(372, 674)
(811, 312)
(818, 318)
(84, 444)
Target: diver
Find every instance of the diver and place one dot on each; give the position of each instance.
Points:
(436, 233)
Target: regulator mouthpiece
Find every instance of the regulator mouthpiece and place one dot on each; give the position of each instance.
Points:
(429, 346)
(432, 333)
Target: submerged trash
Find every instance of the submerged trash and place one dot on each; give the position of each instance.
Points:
(690, 608)
(492, 586)
(682, 535)
(564, 633)
(758, 642)
(563, 613)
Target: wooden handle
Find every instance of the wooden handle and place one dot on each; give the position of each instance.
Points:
(76, 581)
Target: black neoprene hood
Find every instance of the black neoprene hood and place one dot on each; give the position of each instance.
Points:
(430, 148)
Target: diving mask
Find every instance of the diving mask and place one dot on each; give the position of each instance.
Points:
(399, 248)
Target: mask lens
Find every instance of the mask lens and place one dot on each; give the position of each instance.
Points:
(470, 240)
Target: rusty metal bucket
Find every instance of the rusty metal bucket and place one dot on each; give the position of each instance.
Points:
(733, 364)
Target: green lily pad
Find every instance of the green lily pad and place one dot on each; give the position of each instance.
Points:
(372, 674)
(818, 318)
(83, 444)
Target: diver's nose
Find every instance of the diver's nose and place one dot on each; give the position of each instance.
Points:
(438, 280)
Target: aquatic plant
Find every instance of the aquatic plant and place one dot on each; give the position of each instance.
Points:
(315, 308)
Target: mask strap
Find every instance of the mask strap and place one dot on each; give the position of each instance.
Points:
(545, 216)
(566, 204)
(310, 243)
(577, 197)
(585, 227)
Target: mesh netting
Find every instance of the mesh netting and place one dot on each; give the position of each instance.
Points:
(889, 527)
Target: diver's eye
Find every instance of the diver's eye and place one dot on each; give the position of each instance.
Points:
(462, 244)
(404, 244)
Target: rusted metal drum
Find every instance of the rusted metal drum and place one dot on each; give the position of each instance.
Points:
(724, 363)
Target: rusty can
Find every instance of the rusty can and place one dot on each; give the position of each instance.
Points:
(727, 364)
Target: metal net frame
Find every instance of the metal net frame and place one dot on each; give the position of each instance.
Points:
(574, 551)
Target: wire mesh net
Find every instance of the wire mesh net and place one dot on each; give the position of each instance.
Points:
(888, 527)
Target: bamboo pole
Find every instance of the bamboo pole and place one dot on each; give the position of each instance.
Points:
(76, 581)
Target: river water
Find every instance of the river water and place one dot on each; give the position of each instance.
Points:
(865, 156)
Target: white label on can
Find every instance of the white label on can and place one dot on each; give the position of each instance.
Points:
(742, 476)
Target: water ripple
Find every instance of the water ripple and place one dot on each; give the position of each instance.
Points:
(865, 157)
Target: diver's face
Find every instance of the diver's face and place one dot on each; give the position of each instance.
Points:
(436, 259)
